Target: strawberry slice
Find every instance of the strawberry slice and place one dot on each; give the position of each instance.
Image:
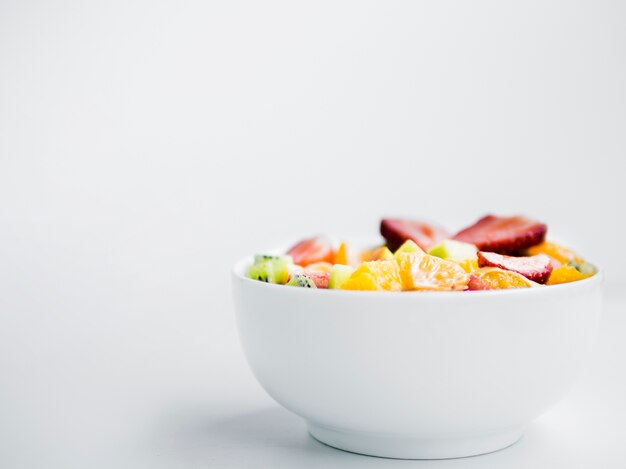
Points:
(312, 250)
(536, 268)
(397, 230)
(504, 235)
(320, 278)
(477, 283)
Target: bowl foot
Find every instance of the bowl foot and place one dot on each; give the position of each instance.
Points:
(407, 447)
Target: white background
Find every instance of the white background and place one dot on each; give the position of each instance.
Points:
(144, 146)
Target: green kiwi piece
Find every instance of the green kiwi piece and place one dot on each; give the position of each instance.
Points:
(271, 271)
(585, 268)
(271, 257)
(301, 280)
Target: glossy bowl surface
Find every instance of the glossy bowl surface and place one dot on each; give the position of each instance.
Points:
(416, 375)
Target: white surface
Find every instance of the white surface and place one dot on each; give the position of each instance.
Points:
(145, 145)
(427, 375)
(135, 389)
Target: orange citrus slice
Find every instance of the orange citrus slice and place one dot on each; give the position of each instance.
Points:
(425, 272)
(347, 255)
(556, 252)
(375, 275)
(378, 254)
(499, 279)
(469, 265)
(565, 274)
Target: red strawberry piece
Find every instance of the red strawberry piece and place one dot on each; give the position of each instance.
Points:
(309, 251)
(504, 235)
(320, 278)
(536, 268)
(397, 230)
(477, 283)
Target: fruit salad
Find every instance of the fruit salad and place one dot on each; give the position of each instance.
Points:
(492, 254)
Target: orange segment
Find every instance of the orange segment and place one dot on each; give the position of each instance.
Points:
(378, 254)
(363, 281)
(347, 255)
(375, 275)
(469, 265)
(425, 272)
(556, 252)
(499, 279)
(564, 274)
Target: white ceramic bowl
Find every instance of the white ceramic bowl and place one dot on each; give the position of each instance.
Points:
(416, 375)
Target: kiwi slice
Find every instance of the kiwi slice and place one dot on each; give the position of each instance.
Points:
(338, 275)
(301, 280)
(271, 257)
(584, 268)
(270, 269)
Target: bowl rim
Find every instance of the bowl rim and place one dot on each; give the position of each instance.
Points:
(238, 272)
